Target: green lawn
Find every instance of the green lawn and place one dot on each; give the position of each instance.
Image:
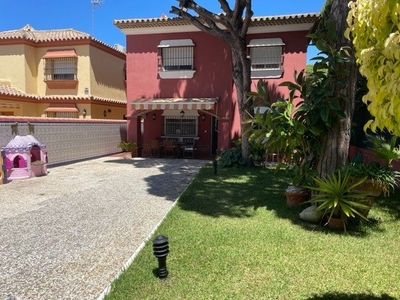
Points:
(231, 236)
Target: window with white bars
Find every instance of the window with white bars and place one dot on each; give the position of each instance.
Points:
(176, 58)
(180, 126)
(266, 58)
(60, 68)
(62, 114)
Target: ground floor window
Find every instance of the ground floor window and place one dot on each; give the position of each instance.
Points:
(180, 126)
(61, 114)
(6, 113)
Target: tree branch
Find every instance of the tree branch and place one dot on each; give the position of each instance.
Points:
(247, 18)
(225, 7)
(212, 27)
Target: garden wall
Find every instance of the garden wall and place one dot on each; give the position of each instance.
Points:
(67, 140)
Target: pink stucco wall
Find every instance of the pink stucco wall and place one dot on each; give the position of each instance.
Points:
(213, 78)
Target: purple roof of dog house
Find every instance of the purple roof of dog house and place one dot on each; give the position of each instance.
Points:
(23, 142)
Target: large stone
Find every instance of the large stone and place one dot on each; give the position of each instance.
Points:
(310, 214)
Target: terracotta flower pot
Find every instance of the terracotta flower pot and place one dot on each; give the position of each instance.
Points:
(336, 224)
(295, 199)
(368, 187)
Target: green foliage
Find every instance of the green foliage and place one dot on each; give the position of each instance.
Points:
(257, 151)
(231, 157)
(386, 150)
(336, 196)
(383, 177)
(374, 30)
(126, 146)
(295, 127)
(261, 93)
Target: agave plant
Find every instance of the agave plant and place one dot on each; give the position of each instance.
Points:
(336, 196)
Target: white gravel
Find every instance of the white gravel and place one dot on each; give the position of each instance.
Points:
(66, 235)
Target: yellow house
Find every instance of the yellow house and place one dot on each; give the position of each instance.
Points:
(60, 73)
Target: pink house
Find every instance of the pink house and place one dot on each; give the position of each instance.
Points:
(179, 79)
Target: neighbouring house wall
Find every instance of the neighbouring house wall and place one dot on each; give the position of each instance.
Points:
(31, 70)
(12, 65)
(83, 73)
(29, 109)
(10, 107)
(112, 112)
(70, 140)
(107, 77)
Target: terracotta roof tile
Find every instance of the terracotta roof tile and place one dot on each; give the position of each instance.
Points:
(7, 90)
(30, 34)
(256, 21)
(74, 98)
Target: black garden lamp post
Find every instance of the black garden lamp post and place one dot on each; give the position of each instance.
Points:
(161, 250)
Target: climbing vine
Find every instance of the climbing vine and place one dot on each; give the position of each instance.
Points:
(374, 27)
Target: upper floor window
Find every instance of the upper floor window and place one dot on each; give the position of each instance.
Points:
(61, 65)
(176, 59)
(266, 58)
(60, 68)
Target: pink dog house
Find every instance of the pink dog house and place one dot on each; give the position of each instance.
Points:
(25, 158)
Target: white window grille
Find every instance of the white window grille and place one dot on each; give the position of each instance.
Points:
(62, 114)
(266, 58)
(60, 68)
(180, 126)
(176, 59)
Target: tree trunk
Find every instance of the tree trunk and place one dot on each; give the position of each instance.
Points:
(236, 23)
(242, 80)
(335, 146)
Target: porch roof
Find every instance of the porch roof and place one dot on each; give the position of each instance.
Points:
(174, 103)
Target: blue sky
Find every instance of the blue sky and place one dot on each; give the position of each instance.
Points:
(80, 15)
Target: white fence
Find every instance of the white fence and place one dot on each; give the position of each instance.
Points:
(67, 141)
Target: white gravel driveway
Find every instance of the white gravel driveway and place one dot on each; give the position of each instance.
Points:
(66, 235)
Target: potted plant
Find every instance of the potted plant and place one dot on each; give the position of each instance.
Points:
(379, 179)
(336, 196)
(277, 131)
(293, 127)
(128, 146)
(381, 176)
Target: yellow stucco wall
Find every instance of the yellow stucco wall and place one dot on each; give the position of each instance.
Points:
(107, 75)
(83, 71)
(31, 70)
(18, 108)
(112, 112)
(12, 62)
(100, 74)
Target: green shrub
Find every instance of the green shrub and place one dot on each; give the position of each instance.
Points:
(231, 157)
